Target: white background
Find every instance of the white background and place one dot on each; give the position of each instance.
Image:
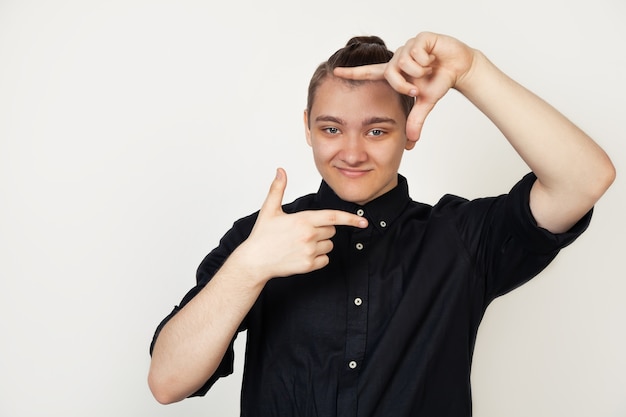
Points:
(133, 133)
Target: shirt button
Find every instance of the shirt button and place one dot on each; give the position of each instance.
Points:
(360, 212)
(358, 301)
(383, 223)
(359, 246)
(352, 364)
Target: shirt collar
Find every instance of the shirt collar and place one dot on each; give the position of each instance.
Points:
(381, 212)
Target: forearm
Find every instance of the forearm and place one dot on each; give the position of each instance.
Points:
(192, 344)
(572, 170)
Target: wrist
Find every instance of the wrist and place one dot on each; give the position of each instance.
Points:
(470, 79)
(252, 272)
(484, 83)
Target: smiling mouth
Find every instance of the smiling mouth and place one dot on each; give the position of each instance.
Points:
(353, 173)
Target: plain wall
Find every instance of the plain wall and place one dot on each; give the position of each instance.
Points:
(133, 133)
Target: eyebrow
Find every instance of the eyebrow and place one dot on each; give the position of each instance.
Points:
(327, 118)
(366, 122)
(378, 120)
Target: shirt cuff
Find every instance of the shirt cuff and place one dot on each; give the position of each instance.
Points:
(525, 226)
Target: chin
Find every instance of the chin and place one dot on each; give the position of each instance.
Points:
(353, 196)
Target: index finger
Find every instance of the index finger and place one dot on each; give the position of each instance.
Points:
(337, 218)
(378, 72)
(373, 72)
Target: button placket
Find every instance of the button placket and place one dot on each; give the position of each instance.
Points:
(357, 290)
(358, 284)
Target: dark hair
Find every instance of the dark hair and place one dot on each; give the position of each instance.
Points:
(360, 50)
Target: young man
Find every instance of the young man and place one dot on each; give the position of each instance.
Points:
(357, 300)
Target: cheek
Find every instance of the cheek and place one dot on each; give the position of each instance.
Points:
(323, 151)
(388, 152)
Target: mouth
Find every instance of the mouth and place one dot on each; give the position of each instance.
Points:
(353, 173)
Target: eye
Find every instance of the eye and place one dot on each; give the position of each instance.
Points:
(331, 130)
(376, 132)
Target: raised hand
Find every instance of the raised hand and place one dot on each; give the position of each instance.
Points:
(426, 67)
(282, 244)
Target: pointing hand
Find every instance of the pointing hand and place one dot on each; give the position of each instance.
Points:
(282, 244)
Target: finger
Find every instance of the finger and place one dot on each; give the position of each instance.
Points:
(371, 72)
(398, 82)
(423, 46)
(337, 218)
(324, 247)
(421, 55)
(415, 64)
(274, 200)
(325, 232)
(320, 262)
(415, 121)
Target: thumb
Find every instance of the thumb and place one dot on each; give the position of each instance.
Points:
(274, 200)
(417, 116)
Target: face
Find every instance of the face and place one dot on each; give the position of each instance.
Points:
(358, 137)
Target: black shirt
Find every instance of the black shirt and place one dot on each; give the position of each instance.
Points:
(388, 327)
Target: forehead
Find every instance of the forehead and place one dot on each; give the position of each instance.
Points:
(346, 99)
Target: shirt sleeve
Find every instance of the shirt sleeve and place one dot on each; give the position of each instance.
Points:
(506, 245)
(206, 270)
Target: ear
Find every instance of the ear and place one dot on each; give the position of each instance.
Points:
(307, 130)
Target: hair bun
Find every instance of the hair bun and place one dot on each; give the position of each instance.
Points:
(357, 40)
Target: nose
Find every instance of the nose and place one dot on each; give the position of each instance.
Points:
(353, 150)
